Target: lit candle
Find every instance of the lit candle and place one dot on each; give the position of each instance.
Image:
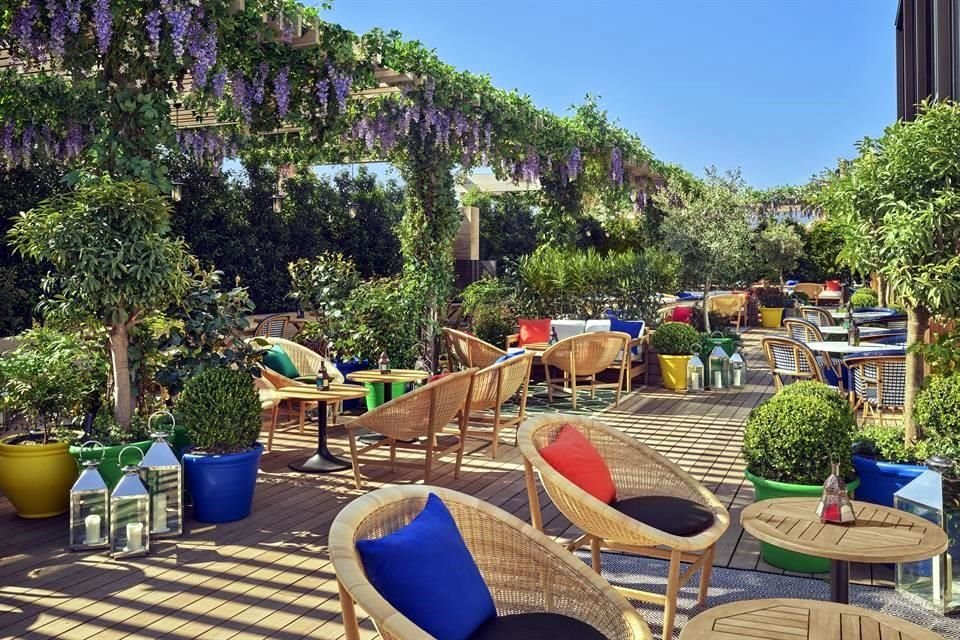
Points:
(92, 523)
(737, 377)
(134, 536)
(160, 512)
(717, 379)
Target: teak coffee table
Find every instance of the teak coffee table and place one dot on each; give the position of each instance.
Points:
(322, 461)
(880, 534)
(788, 619)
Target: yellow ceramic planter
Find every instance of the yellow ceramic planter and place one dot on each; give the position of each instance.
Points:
(673, 370)
(771, 317)
(37, 478)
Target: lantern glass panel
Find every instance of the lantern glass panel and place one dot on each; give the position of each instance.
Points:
(163, 476)
(738, 371)
(695, 374)
(933, 498)
(719, 368)
(89, 511)
(129, 516)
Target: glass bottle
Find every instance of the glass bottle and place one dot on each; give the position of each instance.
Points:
(323, 377)
(384, 363)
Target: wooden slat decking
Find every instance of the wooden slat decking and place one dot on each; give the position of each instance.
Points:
(269, 577)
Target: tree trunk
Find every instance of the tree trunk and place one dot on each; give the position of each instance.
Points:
(122, 398)
(918, 319)
(881, 291)
(706, 307)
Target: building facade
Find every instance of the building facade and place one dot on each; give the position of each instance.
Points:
(928, 53)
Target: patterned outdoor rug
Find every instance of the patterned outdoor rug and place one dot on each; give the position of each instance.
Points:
(732, 585)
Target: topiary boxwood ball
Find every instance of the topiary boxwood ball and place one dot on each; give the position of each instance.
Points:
(794, 436)
(937, 408)
(675, 339)
(863, 298)
(220, 409)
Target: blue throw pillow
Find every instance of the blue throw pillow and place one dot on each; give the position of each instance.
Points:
(276, 359)
(634, 328)
(509, 355)
(427, 573)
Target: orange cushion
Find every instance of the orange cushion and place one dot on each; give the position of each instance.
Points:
(572, 455)
(682, 314)
(532, 331)
(832, 285)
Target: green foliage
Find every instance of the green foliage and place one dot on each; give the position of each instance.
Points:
(819, 261)
(321, 286)
(779, 247)
(675, 339)
(220, 409)
(863, 298)
(937, 410)
(943, 354)
(106, 430)
(508, 228)
(554, 282)
(772, 297)
(795, 435)
(52, 377)
(488, 306)
(887, 442)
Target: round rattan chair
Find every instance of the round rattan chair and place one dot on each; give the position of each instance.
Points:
(637, 470)
(802, 330)
(471, 351)
(817, 316)
(526, 571)
(793, 359)
(582, 357)
(878, 385)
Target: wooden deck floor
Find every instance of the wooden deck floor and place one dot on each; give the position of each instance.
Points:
(269, 576)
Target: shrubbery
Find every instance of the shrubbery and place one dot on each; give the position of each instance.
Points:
(220, 409)
(863, 298)
(675, 339)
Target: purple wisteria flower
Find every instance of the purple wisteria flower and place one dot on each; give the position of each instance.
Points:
(58, 27)
(26, 146)
(179, 21)
(219, 84)
(286, 33)
(574, 164)
(72, 10)
(281, 91)
(260, 82)
(103, 24)
(6, 144)
(242, 98)
(73, 143)
(322, 92)
(203, 48)
(531, 165)
(341, 85)
(154, 23)
(22, 28)
(616, 167)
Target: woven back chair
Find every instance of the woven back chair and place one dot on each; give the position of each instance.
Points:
(492, 387)
(582, 357)
(637, 470)
(802, 331)
(471, 351)
(811, 289)
(526, 571)
(307, 363)
(268, 402)
(272, 326)
(415, 421)
(730, 305)
(878, 384)
(789, 357)
(817, 316)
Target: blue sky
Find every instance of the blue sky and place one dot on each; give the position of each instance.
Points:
(779, 88)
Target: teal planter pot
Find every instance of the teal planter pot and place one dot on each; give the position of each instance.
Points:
(782, 558)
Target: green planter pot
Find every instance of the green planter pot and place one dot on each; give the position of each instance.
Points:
(110, 466)
(375, 393)
(708, 344)
(782, 558)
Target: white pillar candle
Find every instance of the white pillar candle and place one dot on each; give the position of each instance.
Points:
(160, 512)
(738, 377)
(92, 525)
(717, 378)
(134, 536)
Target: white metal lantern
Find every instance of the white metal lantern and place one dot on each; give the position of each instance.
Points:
(163, 476)
(129, 514)
(719, 369)
(695, 373)
(738, 370)
(89, 507)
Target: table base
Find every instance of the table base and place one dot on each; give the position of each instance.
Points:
(318, 463)
(840, 581)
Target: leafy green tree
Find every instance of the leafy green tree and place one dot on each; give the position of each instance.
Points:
(899, 203)
(779, 246)
(707, 226)
(114, 261)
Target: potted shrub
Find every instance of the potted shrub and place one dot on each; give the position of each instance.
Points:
(788, 445)
(674, 343)
(772, 303)
(48, 379)
(885, 462)
(220, 409)
(863, 298)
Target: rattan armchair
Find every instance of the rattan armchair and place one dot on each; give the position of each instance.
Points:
(637, 470)
(810, 289)
(877, 385)
(272, 326)
(415, 422)
(492, 387)
(793, 359)
(470, 351)
(817, 316)
(582, 357)
(526, 571)
(268, 402)
(802, 330)
(731, 305)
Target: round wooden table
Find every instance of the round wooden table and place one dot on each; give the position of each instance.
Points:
(387, 380)
(880, 534)
(322, 461)
(798, 620)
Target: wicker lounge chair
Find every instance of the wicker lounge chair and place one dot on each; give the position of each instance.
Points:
(878, 385)
(268, 402)
(471, 351)
(272, 326)
(526, 571)
(792, 358)
(582, 357)
(810, 289)
(637, 470)
(730, 305)
(817, 316)
(415, 422)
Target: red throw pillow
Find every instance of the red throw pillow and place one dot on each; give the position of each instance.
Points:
(833, 285)
(532, 331)
(572, 455)
(682, 314)
(439, 376)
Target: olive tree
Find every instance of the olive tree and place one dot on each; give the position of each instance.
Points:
(900, 203)
(707, 225)
(779, 246)
(113, 261)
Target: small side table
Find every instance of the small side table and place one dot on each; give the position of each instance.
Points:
(799, 620)
(322, 461)
(387, 380)
(880, 534)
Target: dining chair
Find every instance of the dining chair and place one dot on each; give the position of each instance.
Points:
(817, 316)
(469, 350)
(582, 357)
(272, 326)
(791, 358)
(878, 385)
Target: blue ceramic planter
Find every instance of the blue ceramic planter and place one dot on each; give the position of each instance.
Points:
(880, 480)
(222, 486)
(347, 367)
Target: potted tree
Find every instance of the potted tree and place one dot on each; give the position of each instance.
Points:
(49, 379)
(221, 410)
(780, 247)
(788, 444)
(772, 303)
(674, 343)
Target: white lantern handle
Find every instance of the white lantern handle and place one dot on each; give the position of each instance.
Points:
(162, 412)
(130, 446)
